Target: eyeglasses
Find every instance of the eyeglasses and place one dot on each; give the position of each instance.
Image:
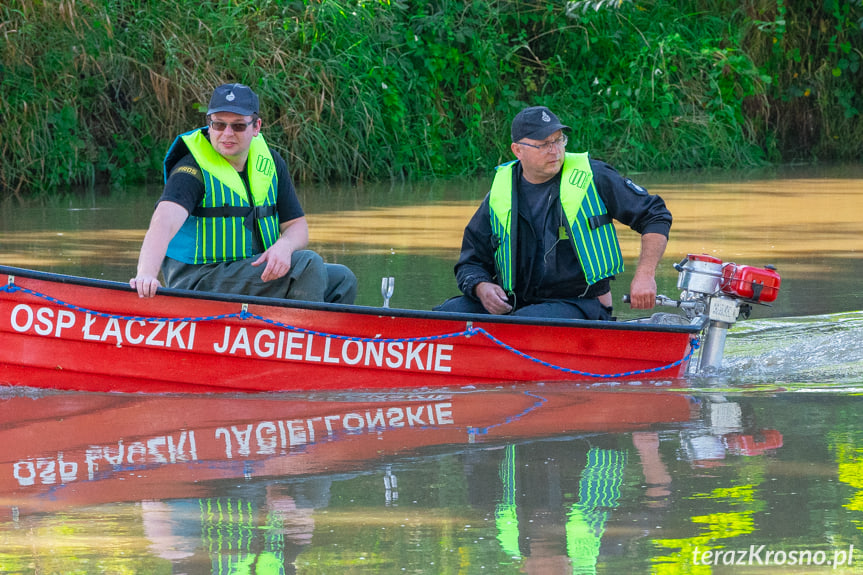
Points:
(547, 147)
(235, 126)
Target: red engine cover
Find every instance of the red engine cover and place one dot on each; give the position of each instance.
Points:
(703, 258)
(755, 444)
(756, 284)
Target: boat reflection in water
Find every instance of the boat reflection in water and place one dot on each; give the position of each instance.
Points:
(237, 481)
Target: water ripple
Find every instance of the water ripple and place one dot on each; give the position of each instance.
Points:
(820, 350)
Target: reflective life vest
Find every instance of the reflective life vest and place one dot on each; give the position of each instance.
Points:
(235, 540)
(221, 227)
(599, 491)
(589, 226)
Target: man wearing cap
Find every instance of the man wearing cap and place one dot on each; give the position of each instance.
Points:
(542, 243)
(229, 219)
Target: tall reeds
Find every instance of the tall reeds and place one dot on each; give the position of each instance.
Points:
(95, 90)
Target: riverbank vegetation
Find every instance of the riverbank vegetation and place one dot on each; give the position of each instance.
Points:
(357, 90)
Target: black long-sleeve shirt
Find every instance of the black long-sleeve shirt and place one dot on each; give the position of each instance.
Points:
(547, 267)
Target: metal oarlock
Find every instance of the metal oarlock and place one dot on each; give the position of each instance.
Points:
(387, 286)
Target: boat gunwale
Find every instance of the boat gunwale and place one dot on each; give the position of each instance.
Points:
(631, 325)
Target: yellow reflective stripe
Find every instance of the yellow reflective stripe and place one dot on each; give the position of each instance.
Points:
(199, 247)
(592, 250)
(501, 254)
(223, 223)
(500, 209)
(591, 209)
(588, 265)
(204, 242)
(265, 225)
(272, 222)
(235, 240)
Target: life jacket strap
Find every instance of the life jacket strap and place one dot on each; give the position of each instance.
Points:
(249, 214)
(599, 221)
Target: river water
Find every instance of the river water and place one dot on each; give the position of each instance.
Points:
(756, 469)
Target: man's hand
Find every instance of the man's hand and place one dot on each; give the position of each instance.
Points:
(278, 260)
(145, 285)
(295, 236)
(167, 219)
(642, 291)
(493, 298)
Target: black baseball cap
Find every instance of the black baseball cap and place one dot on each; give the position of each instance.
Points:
(236, 98)
(536, 123)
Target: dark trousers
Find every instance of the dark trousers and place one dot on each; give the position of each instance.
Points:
(309, 279)
(565, 309)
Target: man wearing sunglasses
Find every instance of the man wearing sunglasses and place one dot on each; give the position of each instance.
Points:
(229, 219)
(542, 243)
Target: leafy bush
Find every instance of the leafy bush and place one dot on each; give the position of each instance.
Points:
(355, 90)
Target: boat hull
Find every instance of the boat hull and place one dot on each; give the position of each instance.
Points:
(73, 333)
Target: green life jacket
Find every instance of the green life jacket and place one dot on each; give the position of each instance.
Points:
(221, 227)
(236, 543)
(598, 493)
(506, 512)
(590, 228)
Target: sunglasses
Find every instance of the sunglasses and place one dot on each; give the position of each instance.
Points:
(235, 126)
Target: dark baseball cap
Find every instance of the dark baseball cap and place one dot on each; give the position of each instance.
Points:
(536, 123)
(236, 98)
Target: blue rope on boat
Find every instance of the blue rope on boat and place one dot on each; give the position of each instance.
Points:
(11, 288)
(693, 346)
(246, 315)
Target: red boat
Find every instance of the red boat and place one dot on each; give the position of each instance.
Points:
(79, 449)
(67, 332)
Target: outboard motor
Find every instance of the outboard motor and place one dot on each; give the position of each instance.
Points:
(724, 292)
